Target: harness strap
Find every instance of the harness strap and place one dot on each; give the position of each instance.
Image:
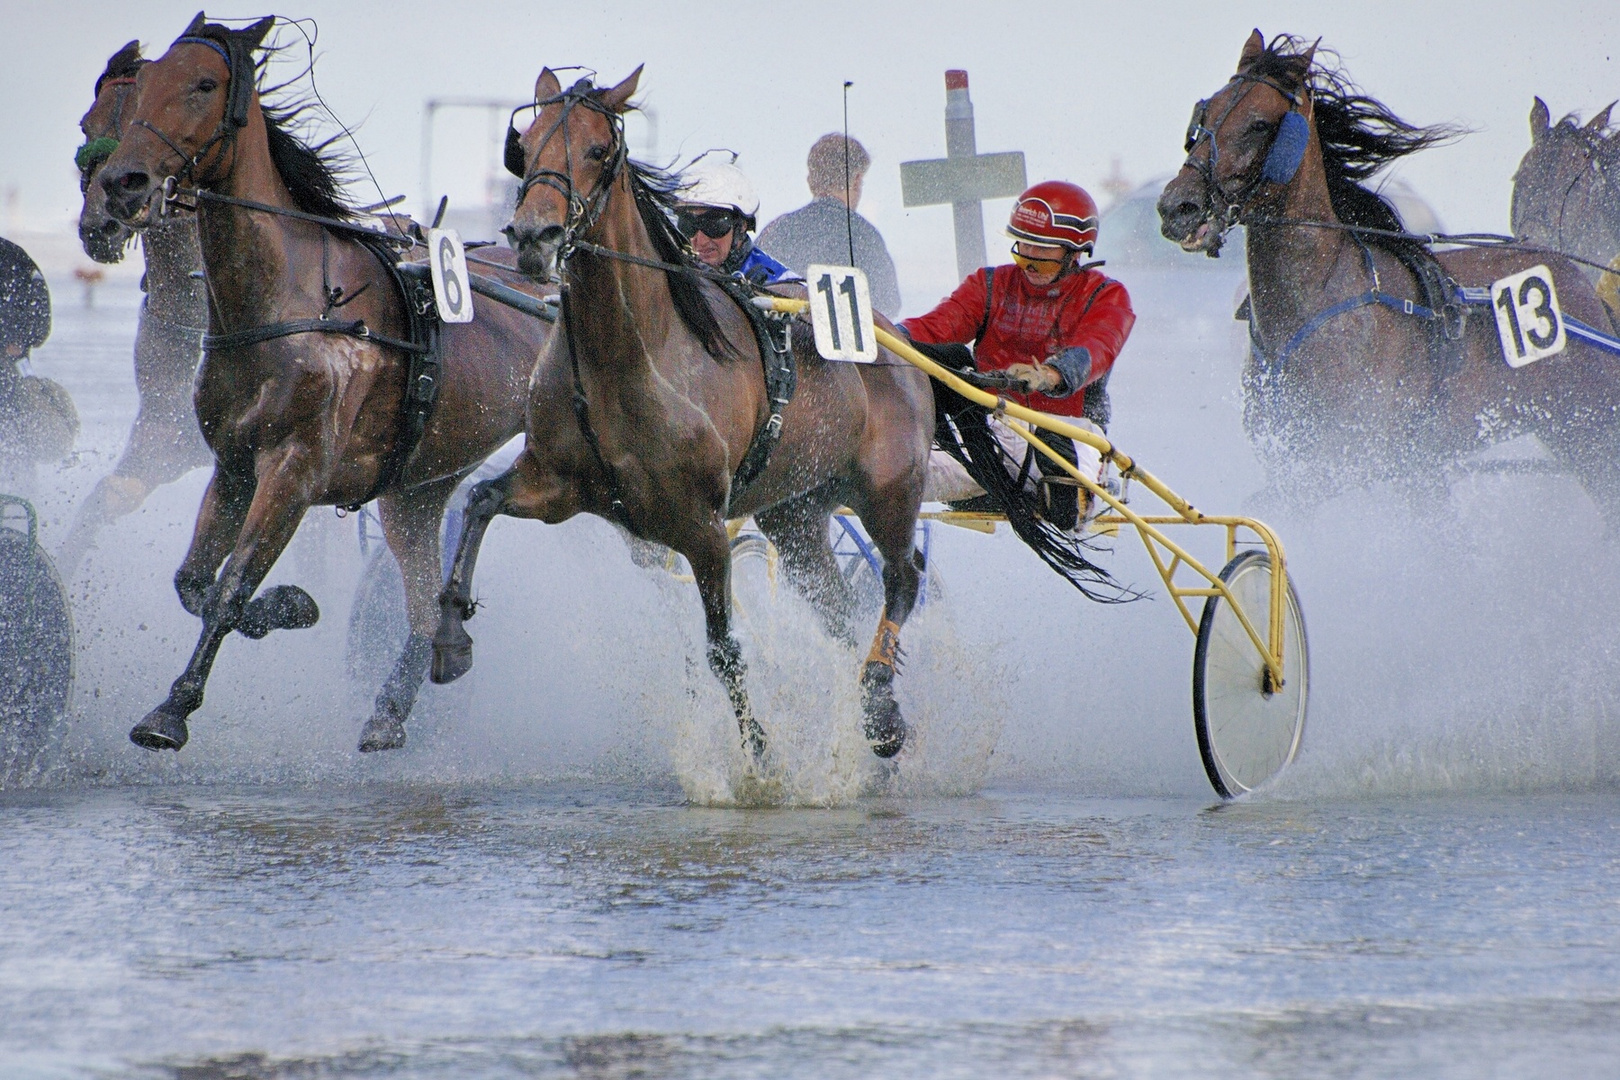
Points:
(253, 335)
(582, 416)
(781, 381)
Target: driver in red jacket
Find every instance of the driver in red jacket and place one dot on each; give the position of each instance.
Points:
(1048, 321)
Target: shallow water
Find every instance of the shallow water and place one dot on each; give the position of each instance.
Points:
(603, 930)
(549, 880)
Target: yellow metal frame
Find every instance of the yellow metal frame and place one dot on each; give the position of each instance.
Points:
(1169, 558)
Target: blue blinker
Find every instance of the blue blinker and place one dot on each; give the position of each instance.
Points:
(1287, 149)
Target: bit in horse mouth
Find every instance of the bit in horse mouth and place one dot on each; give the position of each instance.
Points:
(1198, 240)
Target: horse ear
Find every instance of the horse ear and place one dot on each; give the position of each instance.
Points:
(1600, 122)
(1252, 49)
(126, 56)
(254, 35)
(1540, 120)
(618, 98)
(196, 25)
(546, 86)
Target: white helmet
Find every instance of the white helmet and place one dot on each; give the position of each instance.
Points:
(707, 182)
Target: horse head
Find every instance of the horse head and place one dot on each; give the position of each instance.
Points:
(567, 159)
(103, 237)
(190, 106)
(1244, 145)
(1566, 192)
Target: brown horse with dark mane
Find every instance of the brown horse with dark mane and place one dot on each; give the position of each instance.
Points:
(302, 394)
(1364, 365)
(647, 400)
(165, 442)
(1566, 193)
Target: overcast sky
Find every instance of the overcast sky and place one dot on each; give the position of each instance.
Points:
(1073, 85)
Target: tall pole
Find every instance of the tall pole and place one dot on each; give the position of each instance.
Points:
(961, 142)
(849, 225)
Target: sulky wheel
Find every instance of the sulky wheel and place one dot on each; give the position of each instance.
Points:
(1247, 733)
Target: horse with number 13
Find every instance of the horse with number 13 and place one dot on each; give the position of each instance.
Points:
(1371, 356)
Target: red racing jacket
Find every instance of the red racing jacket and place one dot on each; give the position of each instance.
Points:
(1079, 323)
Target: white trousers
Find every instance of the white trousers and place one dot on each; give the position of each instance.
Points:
(948, 481)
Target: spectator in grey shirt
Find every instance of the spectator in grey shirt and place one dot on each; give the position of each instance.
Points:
(817, 233)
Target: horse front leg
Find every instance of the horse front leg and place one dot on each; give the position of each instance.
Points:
(527, 490)
(281, 496)
(709, 553)
(410, 521)
(800, 530)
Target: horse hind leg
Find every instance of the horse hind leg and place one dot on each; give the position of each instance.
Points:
(894, 533)
(799, 529)
(410, 521)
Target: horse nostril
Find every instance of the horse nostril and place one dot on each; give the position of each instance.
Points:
(134, 181)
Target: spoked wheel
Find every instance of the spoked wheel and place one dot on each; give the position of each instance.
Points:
(1248, 732)
(36, 641)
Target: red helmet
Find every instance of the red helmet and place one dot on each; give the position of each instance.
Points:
(1055, 212)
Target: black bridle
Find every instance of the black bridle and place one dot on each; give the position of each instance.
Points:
(238, 98)
(583, 212)
(1226, 210)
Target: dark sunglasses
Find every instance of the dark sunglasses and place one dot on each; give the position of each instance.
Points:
(711, 223)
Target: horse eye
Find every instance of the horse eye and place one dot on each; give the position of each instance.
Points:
(207, 86)
(597, 153)
(1259, 126)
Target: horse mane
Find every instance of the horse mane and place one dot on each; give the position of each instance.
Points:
(314, 172)
(656, 192)
(1359, 135)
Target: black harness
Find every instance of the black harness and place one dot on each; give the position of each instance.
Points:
(412, 281)
(775, 346)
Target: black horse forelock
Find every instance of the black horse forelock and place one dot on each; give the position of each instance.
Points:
(1359, 134)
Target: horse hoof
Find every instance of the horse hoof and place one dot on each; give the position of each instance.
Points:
(285, 607)
(161, 730)
(382, 733)
(884, 727)
(452, 655)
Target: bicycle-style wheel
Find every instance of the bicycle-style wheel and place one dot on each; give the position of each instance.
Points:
(1248, 731)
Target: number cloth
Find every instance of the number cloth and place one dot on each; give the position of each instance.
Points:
(1079, 324)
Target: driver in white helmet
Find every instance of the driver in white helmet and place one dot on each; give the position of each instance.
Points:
(716, 214)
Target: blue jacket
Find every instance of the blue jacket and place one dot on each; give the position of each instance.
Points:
(761, 269)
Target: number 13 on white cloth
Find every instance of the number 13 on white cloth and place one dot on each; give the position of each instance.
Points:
(841, 313)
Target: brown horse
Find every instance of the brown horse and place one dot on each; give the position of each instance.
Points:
(302, 394)
(165, 442)
(1566, 194)
(644, 404)
(1363, 364)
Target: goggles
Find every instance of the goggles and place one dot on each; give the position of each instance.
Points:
(1040, 266)
(711, 223)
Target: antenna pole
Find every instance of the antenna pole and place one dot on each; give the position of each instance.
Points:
(849, 214)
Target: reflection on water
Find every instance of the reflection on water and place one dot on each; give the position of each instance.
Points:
(610, 931)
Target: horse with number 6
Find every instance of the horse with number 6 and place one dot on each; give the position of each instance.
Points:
(671, 411)
(1373, 357)
(307, 394)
